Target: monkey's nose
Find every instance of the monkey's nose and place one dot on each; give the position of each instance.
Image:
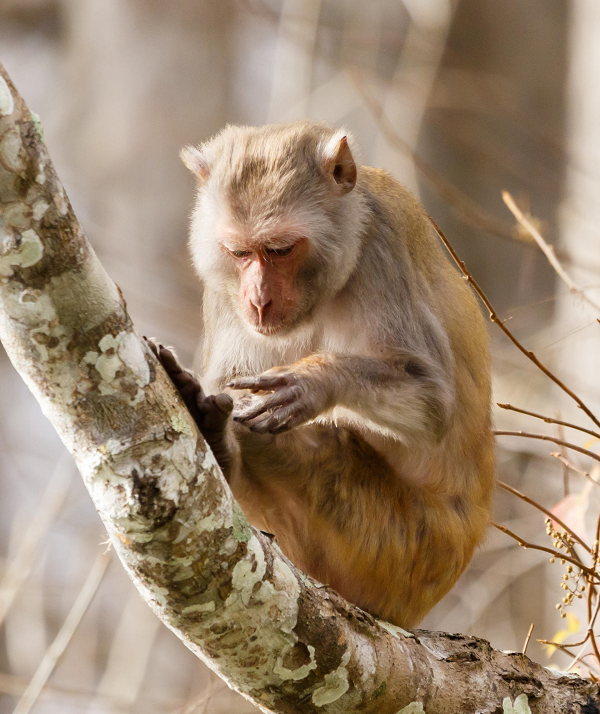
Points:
(261, 308)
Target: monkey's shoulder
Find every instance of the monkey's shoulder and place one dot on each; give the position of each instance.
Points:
(400, 226)
(395, 211)
(388, 190)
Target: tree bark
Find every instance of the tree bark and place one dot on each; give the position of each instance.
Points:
(284, 641)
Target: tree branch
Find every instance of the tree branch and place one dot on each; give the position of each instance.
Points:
(282, 640)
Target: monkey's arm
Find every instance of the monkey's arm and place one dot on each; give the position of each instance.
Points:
(404, 394)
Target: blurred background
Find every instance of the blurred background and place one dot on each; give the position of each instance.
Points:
(460, 99)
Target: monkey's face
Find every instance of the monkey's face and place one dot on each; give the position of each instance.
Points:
(276, 229)
(273, 294)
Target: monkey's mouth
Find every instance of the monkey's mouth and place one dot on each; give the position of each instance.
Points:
(269, 330)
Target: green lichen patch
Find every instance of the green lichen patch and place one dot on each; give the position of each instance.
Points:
(413, 708)
(380, 691)
(20, 251)
(181, 425)
(394, 629)
(241, 529)
(520, 706)
(37, 123)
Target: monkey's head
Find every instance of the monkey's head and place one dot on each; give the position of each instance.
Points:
(276, 229)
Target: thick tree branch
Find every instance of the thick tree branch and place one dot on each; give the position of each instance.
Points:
(279, 638)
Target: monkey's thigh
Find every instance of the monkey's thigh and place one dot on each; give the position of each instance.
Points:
(339, 512)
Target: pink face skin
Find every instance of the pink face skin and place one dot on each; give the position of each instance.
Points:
(268, 293)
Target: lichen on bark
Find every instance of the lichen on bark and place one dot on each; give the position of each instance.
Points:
(288, 643)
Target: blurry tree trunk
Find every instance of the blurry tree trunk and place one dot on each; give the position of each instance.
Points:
(280, 639)
(580, 209)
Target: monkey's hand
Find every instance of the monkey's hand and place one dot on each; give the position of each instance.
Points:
(210, 413)
(284, 398)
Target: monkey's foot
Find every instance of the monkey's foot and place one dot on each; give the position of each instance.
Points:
(210, 413)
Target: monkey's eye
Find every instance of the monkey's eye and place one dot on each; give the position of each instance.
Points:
(240, 253)
(280, 252)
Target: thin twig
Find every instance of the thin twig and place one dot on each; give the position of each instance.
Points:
(468, 210)
(546, 248)
(15, 686)
(64, 636)
(579, 656)
(592, 619)
(566, 474)
(592, 622)
(564, 644)
(495, 319)
(553, 439)
(554, 553)
(527, 639)
(203, 699)
(548, 513)
(548, 420)
(585, 656)
(19, 568)
(571, 465)
(129, 653)
(558, 646)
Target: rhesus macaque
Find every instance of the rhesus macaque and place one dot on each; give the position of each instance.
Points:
(356, 363)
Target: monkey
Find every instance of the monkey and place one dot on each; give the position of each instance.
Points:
(346, 365)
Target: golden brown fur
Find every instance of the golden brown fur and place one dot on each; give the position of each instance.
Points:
(375, 467)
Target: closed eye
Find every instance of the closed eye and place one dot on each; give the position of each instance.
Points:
(280, 252)
(239, 253)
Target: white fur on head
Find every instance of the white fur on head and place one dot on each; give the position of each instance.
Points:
(196, 161)
(329, 214)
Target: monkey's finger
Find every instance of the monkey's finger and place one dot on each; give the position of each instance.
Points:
(273, 401)
(262, 381)
(178, 375)
(297, 417)
(152, 345)
(215, 410)
(275, 423)
(169, 361)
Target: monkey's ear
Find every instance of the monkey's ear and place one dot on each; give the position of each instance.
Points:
(339, 163)
(195, 161)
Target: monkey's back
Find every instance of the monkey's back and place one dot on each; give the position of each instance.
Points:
(455, 485)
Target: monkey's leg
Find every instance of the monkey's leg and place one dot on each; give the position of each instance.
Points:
(344, 516)
(210, 413)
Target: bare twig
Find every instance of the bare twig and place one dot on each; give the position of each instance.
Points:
(541, 508)
(566, 473)
(14, 686)
(546, 248)
(554, 553)
(564, 644)
(553, 439)
(20, 566)
(577, 658)
(495, 319)
(64, 636)
(467, 209)
(528, 638)
(570, 465)
(204, 699)
(129, 654)
(592, 619)
(558, 646)
(549, 420)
